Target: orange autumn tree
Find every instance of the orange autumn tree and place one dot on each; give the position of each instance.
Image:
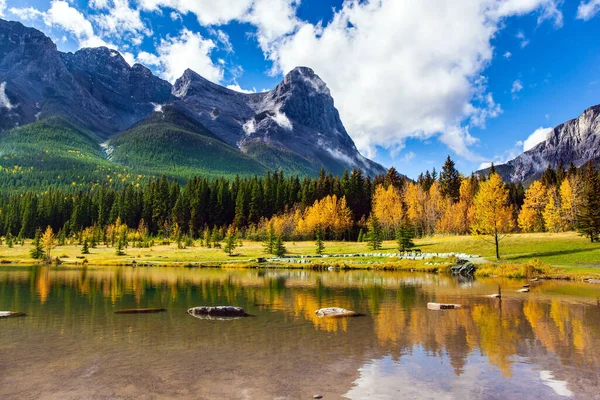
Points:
(493, 215)
(330, 215)
(414, 198)
(458, 217)
(531, 217)
(387, 207)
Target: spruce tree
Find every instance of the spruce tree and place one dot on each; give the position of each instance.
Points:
(587, 220)
(374, 234)
(360, 236)
(319, 243)
(230, 241)
(279, 249)
(85, 248)
(269, 243)
(37, 252)
(404, 236)
(450, 181)
(215, 239)
(9, 240)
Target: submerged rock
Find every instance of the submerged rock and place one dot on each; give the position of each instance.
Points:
(140, 311)
(440, 306)
(218, 311)
(336, 312)
(8, 314)
(524, 290)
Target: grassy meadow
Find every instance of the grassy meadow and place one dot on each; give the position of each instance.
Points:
(569, 252)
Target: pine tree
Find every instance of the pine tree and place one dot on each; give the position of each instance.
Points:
(450, 181)
(119, 249)
(404, 236)
(319, 243)
(207, 238)
(360, 236)
(587, 220)
(279, 249)
(215, 238)
(374, 234)
(230, 241)
(85, 248)
(269, 243)
(9, 240)
(37, 252)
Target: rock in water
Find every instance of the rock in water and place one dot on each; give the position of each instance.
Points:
(440, 306)
(218, 311)
(140, 311)
(525, 290)
(8, 314)
(336, 312)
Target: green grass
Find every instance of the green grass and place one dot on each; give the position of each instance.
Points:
(519, 251)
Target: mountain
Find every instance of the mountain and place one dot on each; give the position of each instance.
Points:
(577, 141)
(146, 125)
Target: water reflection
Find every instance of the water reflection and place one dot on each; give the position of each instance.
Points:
(542, 344)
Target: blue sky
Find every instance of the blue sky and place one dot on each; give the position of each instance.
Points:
(414, 81)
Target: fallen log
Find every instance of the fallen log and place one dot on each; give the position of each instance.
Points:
(9, 314)
(441, 306)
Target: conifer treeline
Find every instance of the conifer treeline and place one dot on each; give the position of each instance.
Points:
(338, 207)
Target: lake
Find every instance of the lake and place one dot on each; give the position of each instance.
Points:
(72, 345)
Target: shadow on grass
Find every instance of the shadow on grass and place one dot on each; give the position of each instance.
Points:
(547, 254)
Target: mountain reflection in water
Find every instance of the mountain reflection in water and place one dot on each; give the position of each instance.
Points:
(542, 344)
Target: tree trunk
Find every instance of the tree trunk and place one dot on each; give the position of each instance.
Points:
(497, 248)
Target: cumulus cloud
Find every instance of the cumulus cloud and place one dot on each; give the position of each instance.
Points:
(121, 19)
(401, 69)
(2, 7)
(587, 10)
(238, 88)
(537, 137)
(61, 15)
(188, 50)
(508, 54)
(208, 12)
(524, 41)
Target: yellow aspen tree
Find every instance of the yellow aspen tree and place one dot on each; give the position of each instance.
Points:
(433, 208)
(570, 200)
(387, 207)
(531, 218)
(48, 241)
(552, 216)
(414, 198)
(493, 215)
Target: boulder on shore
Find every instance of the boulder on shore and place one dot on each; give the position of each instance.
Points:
(336, 312)
(140, 311)
(8, 314)
(440, 306)
(218, 311)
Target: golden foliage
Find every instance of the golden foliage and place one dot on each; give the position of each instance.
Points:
(531, 217)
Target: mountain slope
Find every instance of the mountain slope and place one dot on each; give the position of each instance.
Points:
(295, 127)
(167, 143)
(577, 141)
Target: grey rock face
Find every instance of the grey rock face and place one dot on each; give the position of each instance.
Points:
(297, 115)
(97, 89)
(577, 141)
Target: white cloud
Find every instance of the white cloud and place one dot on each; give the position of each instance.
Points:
(517, 86)
(61, 15)
(121, 19)
(538, 136)
(524, 41)
(273, 19)
(401, 69)
(208, 12)
(587, 10)
(2, 7)
(238, 88)
(508, 54)
(188, 50)
(408, 157)
(146, 58)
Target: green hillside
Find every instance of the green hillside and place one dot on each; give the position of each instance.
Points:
(172, 144)
(280, 159)
(52, 153)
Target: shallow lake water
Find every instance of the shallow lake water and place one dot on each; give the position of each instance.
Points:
(71, 345)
